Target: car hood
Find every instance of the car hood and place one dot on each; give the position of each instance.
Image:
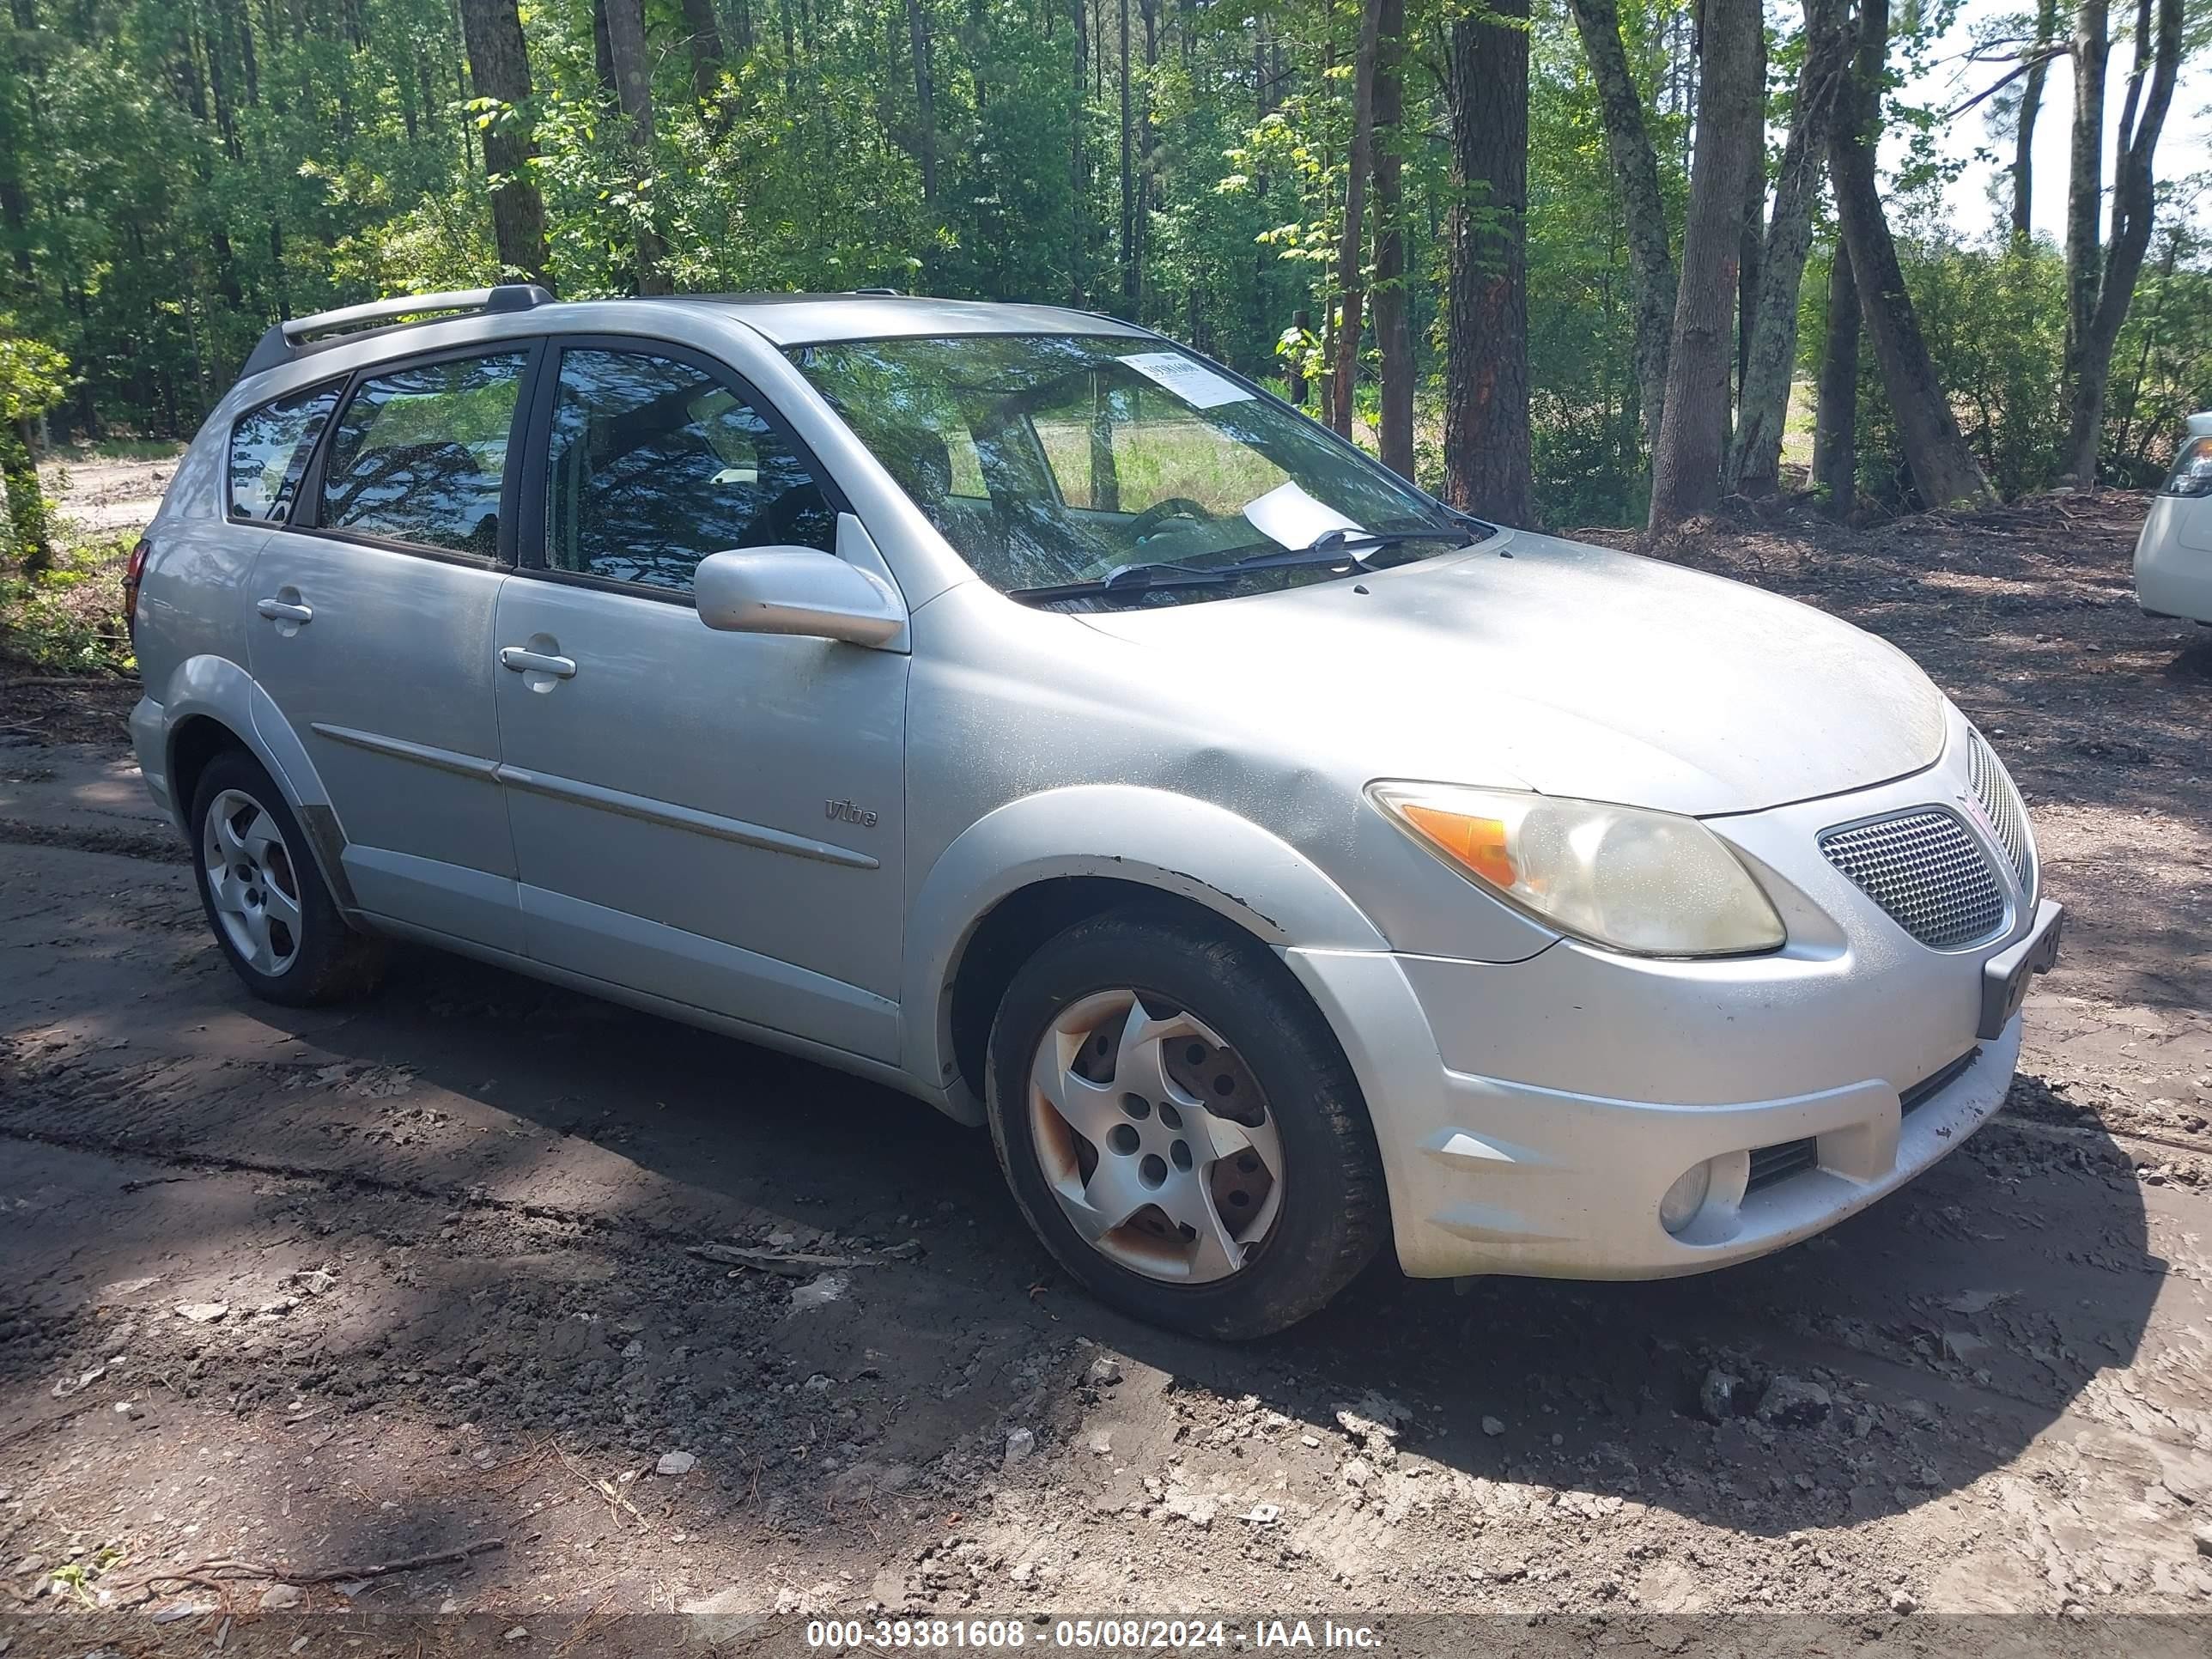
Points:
(1527, 662)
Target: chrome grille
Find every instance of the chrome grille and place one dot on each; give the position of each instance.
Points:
(1993, 787)
(1924, 868)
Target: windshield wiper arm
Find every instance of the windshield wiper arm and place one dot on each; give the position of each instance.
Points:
(1341, 547)
(1123, 579)
(1331, 547)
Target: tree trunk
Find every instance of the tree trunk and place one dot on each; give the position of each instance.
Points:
(2031, 105)
(1345, 358)
(2085, 180)
(705, 31)
(499, 67)
(1392, 334)
(603, 52)
(1751, 241)
(2153, 328)
(1129, 275)
(1944, 470)
(633, 87)
(1079, 218)
(15, 199)
(924, 98)
(1147, 173)
(276, 269)
(1635, 176)
(1685, 466)
(1763, 405)
(1836, 413)
(2133, 205)
(1487, 465)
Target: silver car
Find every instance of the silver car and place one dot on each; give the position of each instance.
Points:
(1010, 706)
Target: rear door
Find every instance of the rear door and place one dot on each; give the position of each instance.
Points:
(372, 630)
(714, 819)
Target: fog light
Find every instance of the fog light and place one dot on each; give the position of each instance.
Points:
(1680, 1208)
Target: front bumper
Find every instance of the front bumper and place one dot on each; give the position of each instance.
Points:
(1531, 1114)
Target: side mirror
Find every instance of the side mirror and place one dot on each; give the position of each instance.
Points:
(795, 590)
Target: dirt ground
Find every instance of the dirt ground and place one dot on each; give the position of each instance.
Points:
(443, 1282)
(105, 492)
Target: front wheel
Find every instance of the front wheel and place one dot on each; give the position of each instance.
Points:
(1180, 1127)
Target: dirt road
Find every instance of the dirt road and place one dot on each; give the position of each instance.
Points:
(315, 1293)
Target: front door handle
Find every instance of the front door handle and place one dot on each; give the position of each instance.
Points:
(528, 662)
(285, 610)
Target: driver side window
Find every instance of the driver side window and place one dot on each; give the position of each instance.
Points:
(655, 464)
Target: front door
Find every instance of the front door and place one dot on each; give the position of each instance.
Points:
(714, 818)
(371, 629)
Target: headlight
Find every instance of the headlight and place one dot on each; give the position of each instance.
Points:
(1651, 884)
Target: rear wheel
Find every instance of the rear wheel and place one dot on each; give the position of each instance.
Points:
(265, 898)
(1181, 1127)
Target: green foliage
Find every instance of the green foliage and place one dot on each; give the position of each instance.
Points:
(70, 617)
(34, 376)
(1994, 321)
(176, 174)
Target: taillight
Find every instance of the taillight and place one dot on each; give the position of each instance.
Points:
(133, 573)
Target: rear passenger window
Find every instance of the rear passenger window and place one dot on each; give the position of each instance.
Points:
(418, 454)
(269, 451)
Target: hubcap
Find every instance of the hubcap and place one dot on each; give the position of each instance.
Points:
(1155, 1139)
(251, 876)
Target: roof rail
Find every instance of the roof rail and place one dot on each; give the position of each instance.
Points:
(288, 338)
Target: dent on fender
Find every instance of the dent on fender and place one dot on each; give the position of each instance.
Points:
(1171, 842)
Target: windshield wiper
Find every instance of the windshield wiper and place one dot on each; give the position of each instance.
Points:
(1124, 578)
(1331, 547)
(1341, 547)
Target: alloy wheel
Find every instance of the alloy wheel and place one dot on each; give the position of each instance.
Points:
(1155, 1138)
(252, 882)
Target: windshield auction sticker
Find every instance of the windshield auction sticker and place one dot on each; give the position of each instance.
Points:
(1190, 380)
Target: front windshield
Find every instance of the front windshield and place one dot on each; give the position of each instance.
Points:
(1056, 461)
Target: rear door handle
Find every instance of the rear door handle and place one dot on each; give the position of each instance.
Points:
(525, 662)
(285, 610)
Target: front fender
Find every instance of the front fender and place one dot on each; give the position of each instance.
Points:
(1154, 837)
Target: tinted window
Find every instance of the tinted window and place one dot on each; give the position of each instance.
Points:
(655, 465)
(418, 454)
(269, 451)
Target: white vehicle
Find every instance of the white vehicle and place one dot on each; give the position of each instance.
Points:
(2173, 554)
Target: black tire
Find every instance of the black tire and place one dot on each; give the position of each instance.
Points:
(330, 960)
(1335, 1213)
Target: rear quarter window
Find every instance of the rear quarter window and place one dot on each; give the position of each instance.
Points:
(419, 455)
(269, 451)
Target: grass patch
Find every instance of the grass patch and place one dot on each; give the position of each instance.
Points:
(70, 619)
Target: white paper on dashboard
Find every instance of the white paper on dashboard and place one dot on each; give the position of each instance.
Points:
(1287, 514)
(1192, 381)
